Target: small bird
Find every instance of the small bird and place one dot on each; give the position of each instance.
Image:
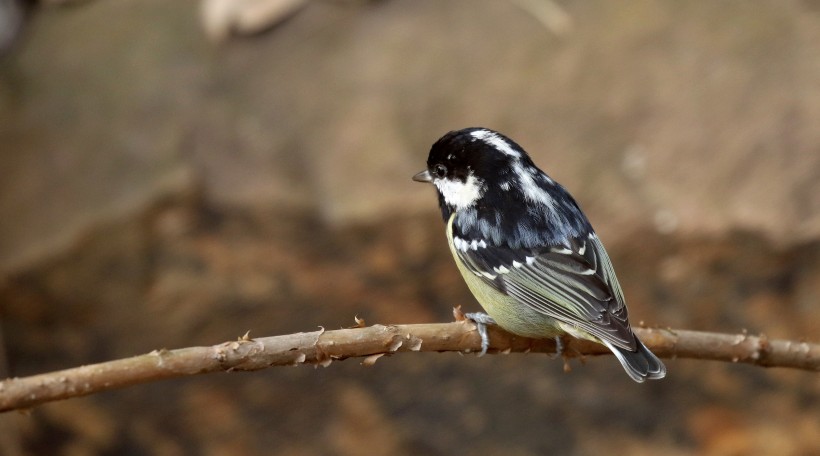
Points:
(527, 251)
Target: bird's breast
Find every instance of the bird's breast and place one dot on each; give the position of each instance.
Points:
(512, 315)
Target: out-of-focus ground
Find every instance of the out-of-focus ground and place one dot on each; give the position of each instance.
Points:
(159, 190)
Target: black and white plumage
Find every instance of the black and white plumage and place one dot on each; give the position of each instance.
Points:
(525, 248)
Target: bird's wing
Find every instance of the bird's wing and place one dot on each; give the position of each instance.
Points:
(573, 283)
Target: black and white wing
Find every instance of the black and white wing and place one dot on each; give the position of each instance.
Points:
(573, 283)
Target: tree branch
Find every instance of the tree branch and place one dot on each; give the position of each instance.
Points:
(322, 347)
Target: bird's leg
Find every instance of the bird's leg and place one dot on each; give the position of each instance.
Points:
(559, 347)
(481, 321)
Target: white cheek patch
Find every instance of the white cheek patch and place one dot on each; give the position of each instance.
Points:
(459, 194)
(496, 141)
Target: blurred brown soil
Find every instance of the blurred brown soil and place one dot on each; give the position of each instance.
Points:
(208, 274)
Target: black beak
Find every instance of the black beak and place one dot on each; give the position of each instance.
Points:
(423, 176)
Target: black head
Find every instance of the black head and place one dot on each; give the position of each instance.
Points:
(493, 183)
(465, 165)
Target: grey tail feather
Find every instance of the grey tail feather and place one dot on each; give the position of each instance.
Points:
(641, 364)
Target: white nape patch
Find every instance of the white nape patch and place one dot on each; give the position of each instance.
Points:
(496, 141)
(526, 176)
(532, 191)
(459, 194)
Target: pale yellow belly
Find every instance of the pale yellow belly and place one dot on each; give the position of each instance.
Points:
(512, 315)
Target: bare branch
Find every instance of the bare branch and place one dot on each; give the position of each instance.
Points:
(323, 347)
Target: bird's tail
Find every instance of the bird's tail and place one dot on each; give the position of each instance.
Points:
(640, 364)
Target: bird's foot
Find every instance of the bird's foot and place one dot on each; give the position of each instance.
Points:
(481, 321)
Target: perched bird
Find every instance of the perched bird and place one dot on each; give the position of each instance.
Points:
(526, 250)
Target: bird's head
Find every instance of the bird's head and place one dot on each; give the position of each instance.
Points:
(476, 166)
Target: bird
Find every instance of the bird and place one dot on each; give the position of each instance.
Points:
(527, 251)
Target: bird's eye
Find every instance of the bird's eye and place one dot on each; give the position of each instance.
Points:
(440, 171)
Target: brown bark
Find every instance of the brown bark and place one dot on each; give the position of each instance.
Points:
(323, 347)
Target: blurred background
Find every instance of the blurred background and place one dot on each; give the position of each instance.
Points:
(175, 173)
